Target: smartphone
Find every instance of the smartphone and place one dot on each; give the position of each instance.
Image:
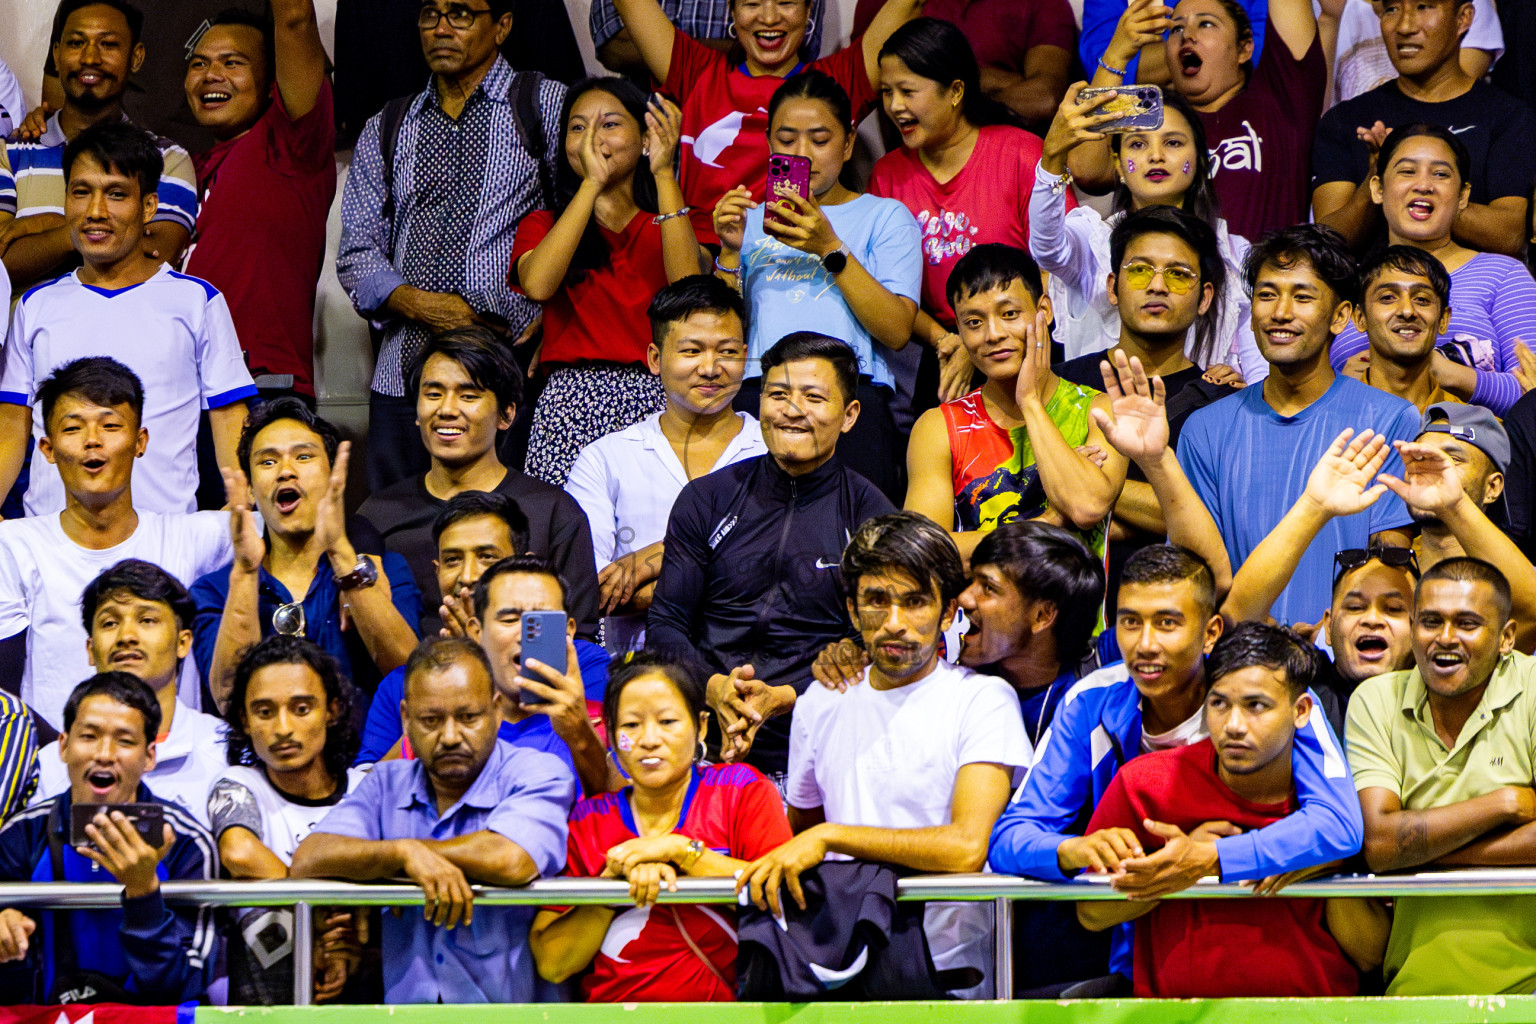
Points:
(786, 174)
(1140, 107)
(148, 820)
(543, 640)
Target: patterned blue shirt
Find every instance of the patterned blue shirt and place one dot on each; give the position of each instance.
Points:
(701, 19)
(460, 187)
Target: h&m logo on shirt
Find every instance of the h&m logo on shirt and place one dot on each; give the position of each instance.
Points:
(1242, 153)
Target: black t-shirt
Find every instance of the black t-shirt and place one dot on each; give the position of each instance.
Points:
(1515, 72)
(1498, 130)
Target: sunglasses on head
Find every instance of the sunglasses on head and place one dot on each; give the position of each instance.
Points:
(1353, 558)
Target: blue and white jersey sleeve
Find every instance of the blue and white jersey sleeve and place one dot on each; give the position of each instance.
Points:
(178, 189)
(7, 190)
(17, 378)
(1329, 825)
(221, 369)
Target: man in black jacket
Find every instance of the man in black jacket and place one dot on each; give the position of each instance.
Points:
(750, 576)
(148, 951)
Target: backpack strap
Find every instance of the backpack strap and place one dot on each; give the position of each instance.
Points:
(390, 120)
(523, 94)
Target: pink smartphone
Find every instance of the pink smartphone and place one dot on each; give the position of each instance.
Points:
(786, 174)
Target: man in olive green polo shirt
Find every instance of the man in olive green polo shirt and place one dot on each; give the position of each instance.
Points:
(1443, 758)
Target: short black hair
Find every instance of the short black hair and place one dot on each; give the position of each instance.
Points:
(286, 407)
(1277, 648)
(1403, 132)
(907, 542)
(145, 581)
(681, 669)
(483, 357)
(811, 345)
(472, 505)
(436, 653)
(1201, 239)
(1047, 563)
(341, 739)
(1471, 570)
(993, 266)
(261, 21)
(100, 380)
(1317, 245)
(1158, 564)
(127, 690)
(131, 14)
(514, 565)
(696, 293)
(1409, 260)
(119, 146)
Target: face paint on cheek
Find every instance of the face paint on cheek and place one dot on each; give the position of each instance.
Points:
(1186, 166)
(1130, 166)
(625, 744)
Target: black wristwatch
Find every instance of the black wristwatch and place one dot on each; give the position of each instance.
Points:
(836, 261)
(362, 575)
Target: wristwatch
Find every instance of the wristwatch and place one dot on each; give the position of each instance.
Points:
(363, 575)
(836, 261)
(695, 851)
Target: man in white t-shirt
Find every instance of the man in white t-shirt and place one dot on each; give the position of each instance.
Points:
(173, 331)
(139, 621)
(91, 408)
(914, 768)
(291, 739)
(627, 481)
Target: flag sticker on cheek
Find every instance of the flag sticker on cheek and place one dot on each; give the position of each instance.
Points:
(625, 744)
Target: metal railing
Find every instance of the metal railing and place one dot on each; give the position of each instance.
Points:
(1001, 890)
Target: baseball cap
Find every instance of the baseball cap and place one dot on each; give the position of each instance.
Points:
(1473, 424)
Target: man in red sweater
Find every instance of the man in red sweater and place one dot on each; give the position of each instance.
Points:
(1238, 778)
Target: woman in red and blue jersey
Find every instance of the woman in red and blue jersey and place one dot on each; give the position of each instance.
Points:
(678, 817)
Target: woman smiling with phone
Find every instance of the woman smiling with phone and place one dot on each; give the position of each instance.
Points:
(678, 817)
(833, 261)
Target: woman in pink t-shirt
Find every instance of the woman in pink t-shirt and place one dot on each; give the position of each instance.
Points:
(621, 234)
(725, 95)
(965, 171)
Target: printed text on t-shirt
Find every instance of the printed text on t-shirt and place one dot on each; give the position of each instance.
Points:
(946, 234)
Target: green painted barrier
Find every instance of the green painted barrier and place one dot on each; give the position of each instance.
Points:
(1428, 1010)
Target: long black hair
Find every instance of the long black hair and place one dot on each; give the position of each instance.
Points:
(1200, 197)
(341, 739)
(592, 252)
(937, 50)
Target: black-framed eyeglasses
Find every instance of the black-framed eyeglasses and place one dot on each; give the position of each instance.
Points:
(288, 619)
(458, 16)
(1351, 559)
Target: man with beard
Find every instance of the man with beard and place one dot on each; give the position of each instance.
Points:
(749, 570)
(96, 48)
(1442, 755)
(467, 810)
(1447, 486)
(1405, 305)
(913, 768)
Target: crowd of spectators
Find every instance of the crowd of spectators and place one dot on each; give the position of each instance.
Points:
(1127, 503)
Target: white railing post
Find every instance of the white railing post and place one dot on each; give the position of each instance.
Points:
(303, 954)
(1002, 948)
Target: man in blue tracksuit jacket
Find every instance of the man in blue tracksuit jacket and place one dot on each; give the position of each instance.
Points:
(1166, 624)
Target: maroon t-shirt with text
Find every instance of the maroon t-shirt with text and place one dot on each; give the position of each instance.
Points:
(1261, 142)
(260, 236)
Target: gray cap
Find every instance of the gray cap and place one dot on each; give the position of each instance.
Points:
(1473, 424)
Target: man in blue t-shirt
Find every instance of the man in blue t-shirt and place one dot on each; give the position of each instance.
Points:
(1249, 456)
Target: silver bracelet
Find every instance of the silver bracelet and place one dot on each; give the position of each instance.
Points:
(1060, 184)
(662, 218)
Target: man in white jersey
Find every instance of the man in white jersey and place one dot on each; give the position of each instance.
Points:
(914, 768)
(173, 331)
(291, 741)
(140, 621)
(92, 410)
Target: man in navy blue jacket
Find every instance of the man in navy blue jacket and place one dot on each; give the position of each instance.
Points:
(154, 953)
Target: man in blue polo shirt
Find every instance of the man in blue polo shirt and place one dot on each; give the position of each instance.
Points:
(469, 809)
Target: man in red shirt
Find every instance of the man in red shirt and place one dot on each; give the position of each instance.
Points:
(1237, 779)
(260, 88)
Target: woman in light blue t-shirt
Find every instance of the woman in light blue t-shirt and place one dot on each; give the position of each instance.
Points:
(838, 263)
